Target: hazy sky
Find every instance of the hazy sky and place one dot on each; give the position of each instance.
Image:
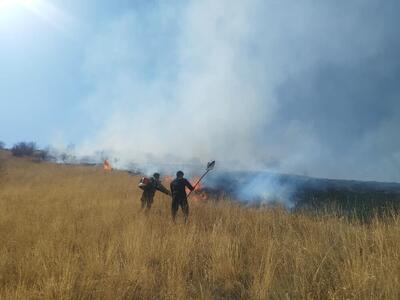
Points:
(310, 87)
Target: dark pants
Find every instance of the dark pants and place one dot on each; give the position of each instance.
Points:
(183, 203)
(147, 200)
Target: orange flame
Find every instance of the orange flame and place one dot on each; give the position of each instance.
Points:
(198, 194)
(107, 166)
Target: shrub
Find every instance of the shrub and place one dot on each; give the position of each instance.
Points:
(41, 155)
(23, 149)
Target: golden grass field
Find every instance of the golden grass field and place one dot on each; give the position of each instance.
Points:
(75, 232)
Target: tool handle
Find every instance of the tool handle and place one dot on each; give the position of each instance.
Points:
(197, 183)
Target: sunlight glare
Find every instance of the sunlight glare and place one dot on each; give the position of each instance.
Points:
(44, 9)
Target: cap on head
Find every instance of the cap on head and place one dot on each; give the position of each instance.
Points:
(179, 174)
(156, 175)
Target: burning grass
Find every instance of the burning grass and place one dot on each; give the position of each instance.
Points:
(71, 232)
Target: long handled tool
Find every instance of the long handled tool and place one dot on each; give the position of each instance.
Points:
(210, 166)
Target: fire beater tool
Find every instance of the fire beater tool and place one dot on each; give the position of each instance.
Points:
(210, 166)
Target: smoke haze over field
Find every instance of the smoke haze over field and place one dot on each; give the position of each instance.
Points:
(306, 87)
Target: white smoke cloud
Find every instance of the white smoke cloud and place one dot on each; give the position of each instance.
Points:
(193, 95)
(201, 80)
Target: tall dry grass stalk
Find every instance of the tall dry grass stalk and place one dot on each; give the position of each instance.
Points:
(70, 232)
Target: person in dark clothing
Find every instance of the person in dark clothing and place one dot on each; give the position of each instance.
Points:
(179, 197)
(150, 190)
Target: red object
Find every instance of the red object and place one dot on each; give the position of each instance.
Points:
(144, 182)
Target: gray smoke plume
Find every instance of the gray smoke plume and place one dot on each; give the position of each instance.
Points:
(306, 87)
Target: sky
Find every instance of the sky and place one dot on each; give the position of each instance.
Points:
(306, 87)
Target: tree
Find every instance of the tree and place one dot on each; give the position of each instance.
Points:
(41, 155)
(2, 145)
(23, 149)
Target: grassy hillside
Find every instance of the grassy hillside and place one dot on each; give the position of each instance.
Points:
(73, 232)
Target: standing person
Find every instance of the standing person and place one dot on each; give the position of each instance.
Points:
(149, 190)
(179, 197)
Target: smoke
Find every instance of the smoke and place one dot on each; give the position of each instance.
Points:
(306, 87)
(255, 187)
(175, 85)
(267, 188)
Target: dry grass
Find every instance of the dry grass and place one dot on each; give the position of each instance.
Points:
(70, 232)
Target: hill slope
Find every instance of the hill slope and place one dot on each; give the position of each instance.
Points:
(73, 232)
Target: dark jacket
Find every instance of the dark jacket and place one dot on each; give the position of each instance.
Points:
(178, 186)
(153, 186)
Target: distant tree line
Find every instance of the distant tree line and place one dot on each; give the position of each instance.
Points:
(23, 149)
(66, 155)
(29, 149)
